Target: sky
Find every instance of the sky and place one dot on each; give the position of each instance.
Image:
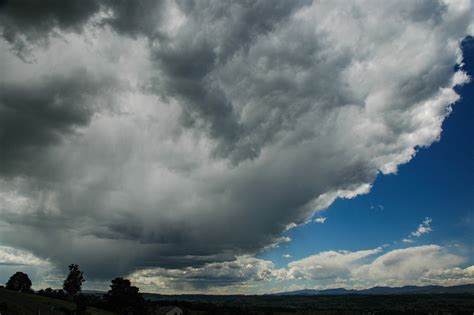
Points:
(245, 147)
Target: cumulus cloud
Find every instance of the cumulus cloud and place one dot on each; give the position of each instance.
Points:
(26, 24)
(418, 265)
(408, 266)
(451, 276)
(242, 270)
(328, 265)
(228, 122)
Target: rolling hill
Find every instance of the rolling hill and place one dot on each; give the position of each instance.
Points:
(16, 303)
(432, 289)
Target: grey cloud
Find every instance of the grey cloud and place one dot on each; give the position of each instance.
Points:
(257, 115)
(134, 18)
(190, 61)
(27, 22)
(255, 71)
(241, 270)
(39, 113)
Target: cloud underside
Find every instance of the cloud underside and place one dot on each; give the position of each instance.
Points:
(175, 135)
(420, 265)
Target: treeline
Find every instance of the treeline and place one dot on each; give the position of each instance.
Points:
(122, 298)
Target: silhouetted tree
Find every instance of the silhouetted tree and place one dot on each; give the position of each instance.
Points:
(74, 280)
(124, 298)
(19, 282)
(53, 293)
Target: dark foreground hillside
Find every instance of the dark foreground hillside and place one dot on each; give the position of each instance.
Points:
(324, 305)
(16, 303)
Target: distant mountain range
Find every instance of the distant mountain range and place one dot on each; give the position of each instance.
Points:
(431, 289)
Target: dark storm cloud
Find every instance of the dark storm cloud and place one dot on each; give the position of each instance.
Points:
(244, 117)
(31, 21)
(188, 62)
(36, 114)
(134, 17)
(26, 22)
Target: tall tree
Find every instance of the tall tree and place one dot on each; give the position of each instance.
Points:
(124, 298)
(74, 280)
(19, 282)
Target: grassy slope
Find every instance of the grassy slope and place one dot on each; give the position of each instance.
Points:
(25, 304)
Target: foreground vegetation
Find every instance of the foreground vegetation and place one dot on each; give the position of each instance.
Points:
(325, 305)
(19, 298)
(20, 303)
(16, 303)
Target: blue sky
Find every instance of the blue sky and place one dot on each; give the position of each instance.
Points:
(437, 183)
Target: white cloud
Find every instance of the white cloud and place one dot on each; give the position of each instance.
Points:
(408, 265)
(448, 277)
(423, 228)
(418, 265)
(328, 265)
(18, 257)
(320, 220)
(290, 226)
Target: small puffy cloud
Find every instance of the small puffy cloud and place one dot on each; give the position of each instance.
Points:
(423, 228)
(320, 220)
(290, 226)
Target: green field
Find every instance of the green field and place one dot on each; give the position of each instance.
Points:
(15, 303)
